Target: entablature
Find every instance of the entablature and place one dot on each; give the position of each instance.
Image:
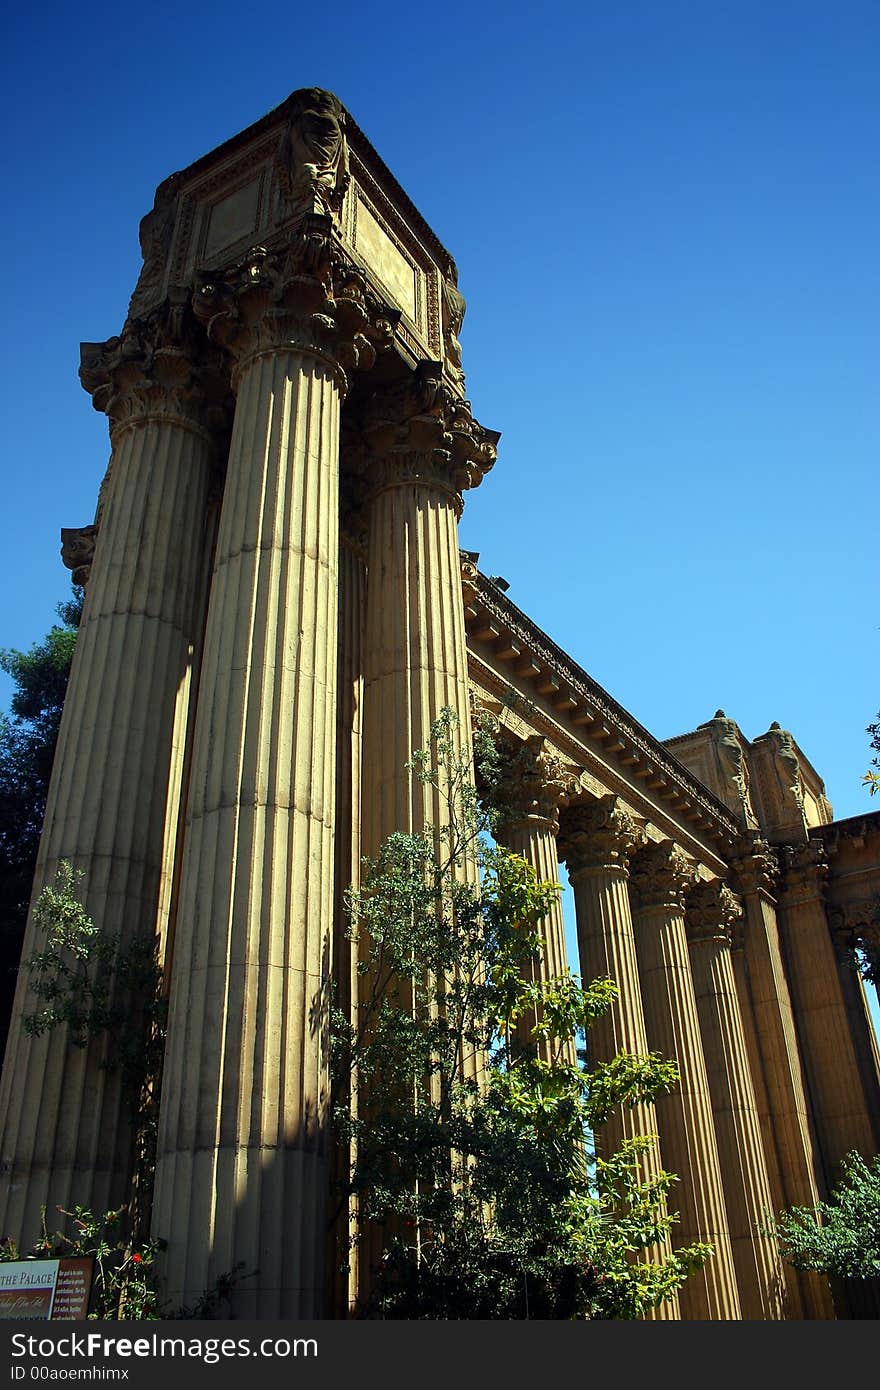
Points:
(543, 691)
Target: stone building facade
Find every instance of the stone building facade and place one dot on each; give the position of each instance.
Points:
(276, 611)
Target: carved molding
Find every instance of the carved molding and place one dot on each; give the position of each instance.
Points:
(712, 912)
(723, 823)
(660, 875)
(599, 836)
(159, 367)
(305, 297)
(420, 431)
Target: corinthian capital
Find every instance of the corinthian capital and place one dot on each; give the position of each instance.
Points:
(598, 836)
(421, 431)
(660, 876)
(754, 866)
(533, 783)
(804, 871)
(306, 297)
(712, 912)
(159, 367)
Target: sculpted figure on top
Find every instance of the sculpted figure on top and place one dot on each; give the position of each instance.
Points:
(312, 160)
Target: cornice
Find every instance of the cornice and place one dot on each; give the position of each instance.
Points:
(493, 620)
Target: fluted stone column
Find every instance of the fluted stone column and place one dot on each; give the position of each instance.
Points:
(532, 786)
(596, 840)
(842, 1117)
(112, 809)
(421, 449)
(712, 912)
(660, 874)
(352, 576)
(792, 1161)
(242, 1150)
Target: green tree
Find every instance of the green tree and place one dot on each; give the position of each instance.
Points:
(840, 1236)
(474, 1185)
(28, 734)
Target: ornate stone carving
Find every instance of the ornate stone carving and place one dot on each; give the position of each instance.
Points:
(599, 835)
(732, 763)
(660, 875)
(533, 782)
(754, 865)
(779, 779)
(311, 164)
(421, 431)
(712, 912)
(78, 551)
(804, 872)
(305, 297)
(160, 366)
(453, 308)
(155, 233)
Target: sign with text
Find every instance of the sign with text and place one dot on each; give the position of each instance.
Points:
(44, 1289)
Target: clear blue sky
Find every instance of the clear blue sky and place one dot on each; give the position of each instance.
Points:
(666, 218)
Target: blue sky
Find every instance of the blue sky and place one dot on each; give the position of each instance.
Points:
(666, 220)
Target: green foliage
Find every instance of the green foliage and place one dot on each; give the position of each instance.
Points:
(841, 1236)
(27, 746)
(471, 1152)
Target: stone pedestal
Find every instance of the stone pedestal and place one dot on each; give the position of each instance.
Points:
(242, 1160)
(596, 840)
(712, 914)
(532, 786)
(660, 874)
(66, 1113)
(795, 1175)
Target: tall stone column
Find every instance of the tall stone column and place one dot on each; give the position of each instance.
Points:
(112, 811)
(660, 875)
(242, 1152)
(533, 785)
(792, 1162)
(842, 1117)
(596, 840)
(422, 447)
(712, 912)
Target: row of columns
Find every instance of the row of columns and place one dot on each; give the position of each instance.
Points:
(210, 825)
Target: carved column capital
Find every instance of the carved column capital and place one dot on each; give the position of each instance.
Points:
(804, 872)
(533, 784)
(78, 551)
(306, 297)
(712, 912)
(421, 431)
(599, 836)
(660, 876)
(160, 367)
(754, 866)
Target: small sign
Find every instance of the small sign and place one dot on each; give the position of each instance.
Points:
(44, 1289)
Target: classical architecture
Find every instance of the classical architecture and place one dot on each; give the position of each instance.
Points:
(276, 610)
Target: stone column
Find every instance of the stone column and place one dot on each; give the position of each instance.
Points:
(792, 1162)
(840, 1112)
(242, 1151)
(712, 912)
(660, 875)
(421, 448)
(596, 840)
(532, 787)
(112, 809)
